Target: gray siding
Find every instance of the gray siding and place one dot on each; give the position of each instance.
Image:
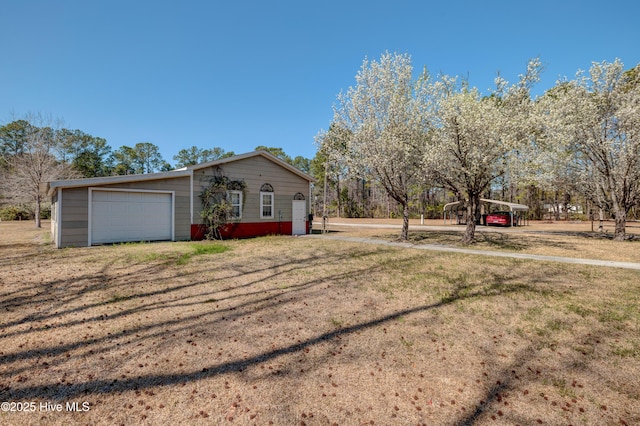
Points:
(71, 205)
(74, 213)
(54, 218)
(255, 171)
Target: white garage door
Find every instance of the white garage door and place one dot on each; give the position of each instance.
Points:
(119, 216)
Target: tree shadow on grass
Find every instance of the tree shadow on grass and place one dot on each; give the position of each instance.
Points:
(239, 297)
(82, 284)
(504, 241)
(60, 391)
(609, 236)
(224, 290)
(513, 381)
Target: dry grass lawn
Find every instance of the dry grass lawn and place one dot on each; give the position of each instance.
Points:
(567, 239)
(300, 331)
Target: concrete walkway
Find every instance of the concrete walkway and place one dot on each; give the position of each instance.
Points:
(318, 225)
(445, 248)
(414, 227)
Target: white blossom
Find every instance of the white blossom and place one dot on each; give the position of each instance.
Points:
(596, 119)
(383, 126)
(477, 137)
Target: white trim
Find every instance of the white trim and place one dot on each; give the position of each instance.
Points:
(59, 219)
(273, 207)
(173, 207)
(311, 201)
(90, 215)
(191, 198)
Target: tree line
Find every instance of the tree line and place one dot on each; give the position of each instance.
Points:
(35, 150)
(436, 136)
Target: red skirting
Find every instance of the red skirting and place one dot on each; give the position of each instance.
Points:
(246, 230)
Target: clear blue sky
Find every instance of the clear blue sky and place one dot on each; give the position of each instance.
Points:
(238, 74)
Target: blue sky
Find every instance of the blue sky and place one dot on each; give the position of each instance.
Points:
(237, 74)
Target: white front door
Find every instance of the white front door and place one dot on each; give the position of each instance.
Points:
(299, 217)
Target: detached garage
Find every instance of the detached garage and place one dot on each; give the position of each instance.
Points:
(274, 198)
(151, 207)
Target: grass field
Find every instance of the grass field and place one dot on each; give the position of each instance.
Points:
(300, 331)
(565, 239)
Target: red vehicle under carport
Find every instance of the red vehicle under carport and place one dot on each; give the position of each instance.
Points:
(516, 216)
(498, 219)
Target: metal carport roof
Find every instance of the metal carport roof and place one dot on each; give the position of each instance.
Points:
(513, 207)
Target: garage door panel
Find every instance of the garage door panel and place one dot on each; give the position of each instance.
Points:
(119, 216)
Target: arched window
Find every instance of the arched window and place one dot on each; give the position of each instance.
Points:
(299, 196)
(266, 201)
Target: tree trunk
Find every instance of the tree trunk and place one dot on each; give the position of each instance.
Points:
(621, 224)
(472, 216)
(469, 232)
(601, 217)
(338, 196)
(404, 235)
(556, 207)
(618, 210)
(37, 212)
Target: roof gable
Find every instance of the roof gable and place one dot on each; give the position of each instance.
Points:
(264, 154)
(185, 171)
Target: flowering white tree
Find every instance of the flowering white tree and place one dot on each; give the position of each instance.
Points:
(596, 117)
(386, 120)
(332, 146)
(475, 136)
(543, 162)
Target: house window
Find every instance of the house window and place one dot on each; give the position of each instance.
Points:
(266, 205)
(235, 199)
(266, 201)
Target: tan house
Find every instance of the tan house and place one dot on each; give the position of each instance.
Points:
(166, 206)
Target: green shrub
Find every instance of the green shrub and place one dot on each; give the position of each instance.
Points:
(45, 212)
(15, 213)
